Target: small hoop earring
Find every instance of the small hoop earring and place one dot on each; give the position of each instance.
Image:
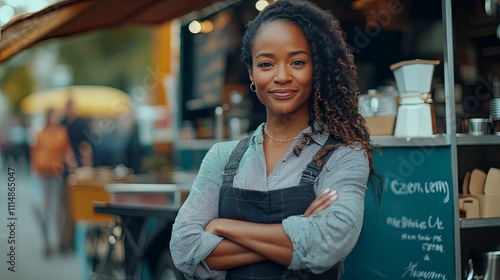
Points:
(252, 87)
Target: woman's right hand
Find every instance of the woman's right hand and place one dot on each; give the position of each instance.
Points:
(325, 199)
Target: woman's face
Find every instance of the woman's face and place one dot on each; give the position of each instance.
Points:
(282, 68)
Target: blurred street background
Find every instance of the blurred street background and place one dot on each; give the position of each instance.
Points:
(31, 262)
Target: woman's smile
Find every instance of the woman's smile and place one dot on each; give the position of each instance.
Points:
(283, 93)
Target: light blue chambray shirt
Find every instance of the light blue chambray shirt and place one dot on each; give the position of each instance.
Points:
(319, 241)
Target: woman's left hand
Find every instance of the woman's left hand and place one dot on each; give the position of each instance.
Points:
(321, 202)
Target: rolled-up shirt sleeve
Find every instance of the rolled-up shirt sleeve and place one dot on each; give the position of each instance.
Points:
(323, 239)
(190, 244)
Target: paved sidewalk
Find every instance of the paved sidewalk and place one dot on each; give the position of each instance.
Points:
(30, 261)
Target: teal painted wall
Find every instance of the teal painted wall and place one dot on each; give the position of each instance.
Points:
(411, 234)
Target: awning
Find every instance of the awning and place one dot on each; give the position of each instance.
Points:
(70, 17)
(90, 101)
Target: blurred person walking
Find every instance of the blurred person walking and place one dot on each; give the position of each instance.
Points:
(49, 155)
(77, 129)
(13, 143)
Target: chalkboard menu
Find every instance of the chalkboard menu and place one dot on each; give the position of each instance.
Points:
(209, 57)
(411, 235)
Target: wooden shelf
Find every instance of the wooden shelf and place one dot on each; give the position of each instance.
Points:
(393, 141)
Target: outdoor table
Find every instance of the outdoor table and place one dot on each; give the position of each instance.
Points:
(140, 239)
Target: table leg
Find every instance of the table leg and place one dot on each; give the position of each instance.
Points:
(138, 240)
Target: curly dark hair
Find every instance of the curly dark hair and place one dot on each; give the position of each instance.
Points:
(334, 106)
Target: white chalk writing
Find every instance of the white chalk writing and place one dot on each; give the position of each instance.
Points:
(408, 223)
(409, 237)
(412, 272)
(422, 237)
(431, 247)
(405, 223)
(409, 188)
(429, 243)
(437, 238)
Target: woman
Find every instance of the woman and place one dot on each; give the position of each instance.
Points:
(255, 210)
(50, 153)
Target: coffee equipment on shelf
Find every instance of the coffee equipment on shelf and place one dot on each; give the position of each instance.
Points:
(413, 80)
(379, 108)
(483, 264)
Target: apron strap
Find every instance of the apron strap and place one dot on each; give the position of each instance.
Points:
(312, 170)
(234, 162)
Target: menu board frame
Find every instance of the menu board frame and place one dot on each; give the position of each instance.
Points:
(411, 235)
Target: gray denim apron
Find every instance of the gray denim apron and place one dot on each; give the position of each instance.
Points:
(269, 207)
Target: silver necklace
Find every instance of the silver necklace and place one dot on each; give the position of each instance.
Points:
(277, 140)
